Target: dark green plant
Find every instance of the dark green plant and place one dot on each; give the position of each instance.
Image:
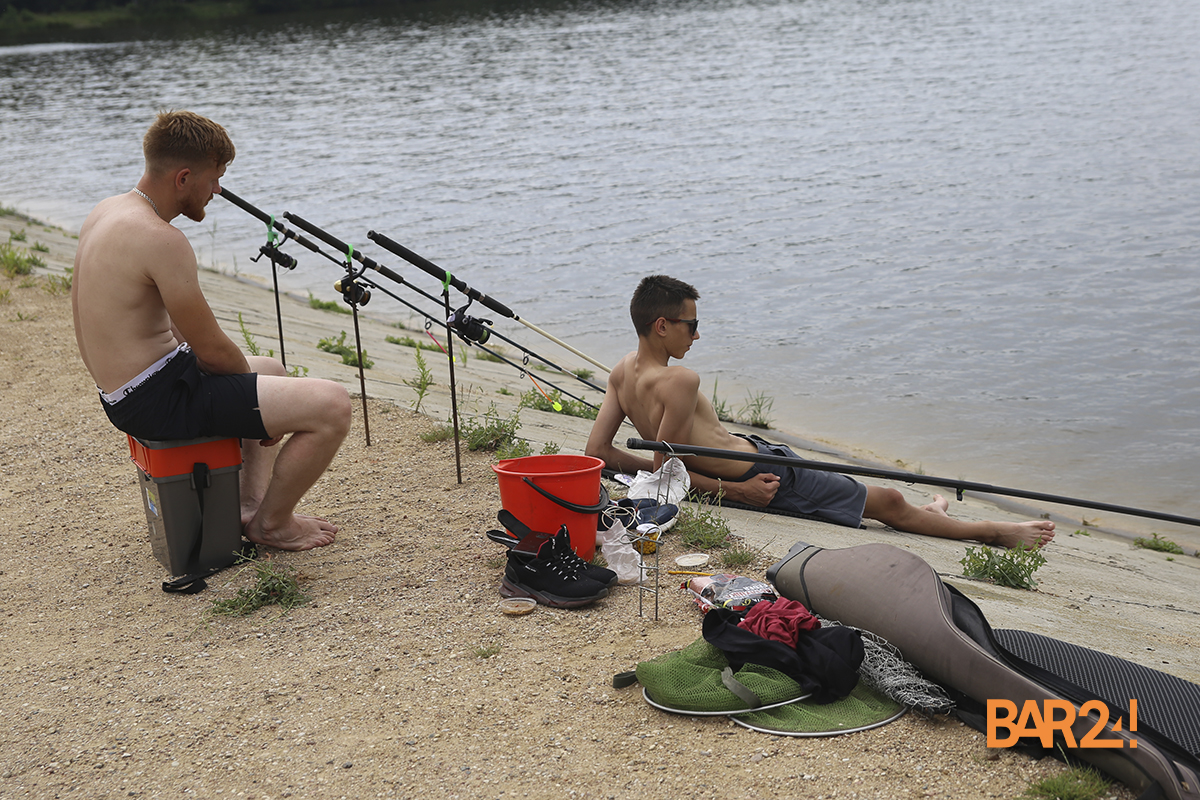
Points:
(720, 406)
(274, 584)
(17, 261)
(490, 431)
(348, 354)
(1158, 543)
(1013, 567)
(755, 412)
(421, 383)
(326, 305)
(554, 403)
(1077, 783)
(702, 528)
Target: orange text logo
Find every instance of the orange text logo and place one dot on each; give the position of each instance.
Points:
(1041, 720)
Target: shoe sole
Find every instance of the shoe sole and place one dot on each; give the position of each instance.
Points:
(510, 589)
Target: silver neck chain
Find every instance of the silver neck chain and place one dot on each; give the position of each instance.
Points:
(146, 197)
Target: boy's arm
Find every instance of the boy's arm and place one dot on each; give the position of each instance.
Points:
(604, 429)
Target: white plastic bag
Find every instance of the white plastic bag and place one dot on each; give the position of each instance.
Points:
(668, 484)
(619, 553)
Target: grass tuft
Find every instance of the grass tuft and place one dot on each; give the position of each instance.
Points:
(702, 528)
(349, 354)
(1077, 783)
(1158, 543)
(274, 584)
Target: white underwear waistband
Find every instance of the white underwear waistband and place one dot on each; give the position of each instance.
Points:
(112, 398)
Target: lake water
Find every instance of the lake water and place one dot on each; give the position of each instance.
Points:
(960, 234)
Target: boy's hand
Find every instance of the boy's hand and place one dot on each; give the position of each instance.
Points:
(758, 491)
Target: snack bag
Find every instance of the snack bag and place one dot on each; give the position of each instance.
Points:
(725, 590)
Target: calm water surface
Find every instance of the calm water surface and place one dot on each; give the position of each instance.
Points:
(960, 234)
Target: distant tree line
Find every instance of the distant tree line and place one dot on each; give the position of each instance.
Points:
(257, 6)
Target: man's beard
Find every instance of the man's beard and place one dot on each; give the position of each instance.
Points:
(195, 213)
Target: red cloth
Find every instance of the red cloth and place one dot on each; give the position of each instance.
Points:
(780, 621)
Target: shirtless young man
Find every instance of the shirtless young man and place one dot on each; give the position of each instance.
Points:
(664, 403)
(164, 367)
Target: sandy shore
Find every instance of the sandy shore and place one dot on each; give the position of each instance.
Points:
(402, 678)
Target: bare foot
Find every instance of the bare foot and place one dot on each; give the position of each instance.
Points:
(302, 533)
(938, 506)
(1033, 534)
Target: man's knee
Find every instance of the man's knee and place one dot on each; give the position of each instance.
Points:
(336, 402)
(264, 365)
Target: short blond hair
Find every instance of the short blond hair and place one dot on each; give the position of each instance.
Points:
(182, 138)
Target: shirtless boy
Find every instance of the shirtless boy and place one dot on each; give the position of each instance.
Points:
(664, 403)
(164, 367)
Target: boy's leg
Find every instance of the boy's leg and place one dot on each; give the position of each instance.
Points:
(889, 507)
(317, 415)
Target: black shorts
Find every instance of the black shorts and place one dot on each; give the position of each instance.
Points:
(181, 402)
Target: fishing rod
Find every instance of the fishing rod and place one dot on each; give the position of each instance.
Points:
(522, 367)
(907, 477)
(370, 263)
(352, 292)
(277, 257)
(472, 294)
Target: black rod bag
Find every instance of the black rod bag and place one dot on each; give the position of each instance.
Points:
(897, 595)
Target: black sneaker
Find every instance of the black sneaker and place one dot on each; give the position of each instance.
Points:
(544, 577)
(572, 560)
(517, 535)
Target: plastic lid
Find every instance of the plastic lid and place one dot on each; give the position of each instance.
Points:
(516, 606)
(692, 559)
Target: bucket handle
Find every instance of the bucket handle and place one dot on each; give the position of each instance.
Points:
(567, 504)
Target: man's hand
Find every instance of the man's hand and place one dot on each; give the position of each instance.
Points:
(758, 491)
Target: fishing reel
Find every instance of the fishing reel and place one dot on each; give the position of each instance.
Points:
(355, 294)
(276, 255)
(470, 328)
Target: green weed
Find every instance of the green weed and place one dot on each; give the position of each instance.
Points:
(1013, 567)
(553, 402)
(490, 431)
(39, 247)
(487, 651)
(755, 412)
(739, 556)
(1077, 783)
(1158, 543)
(441, 433)
(58, 284)
(702, 527)
(16, 261)
(326, 305)
(720, 406)
(17, 236)
(408, 341)
(583, 373)
(274, 584)
(421, 383)
(494, 357)
(4, 295)
(348, 354)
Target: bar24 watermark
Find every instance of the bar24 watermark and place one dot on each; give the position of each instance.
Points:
(1041, 719)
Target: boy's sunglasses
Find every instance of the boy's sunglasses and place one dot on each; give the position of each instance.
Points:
(691, 323)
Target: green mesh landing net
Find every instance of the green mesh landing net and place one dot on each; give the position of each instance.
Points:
(689, 680)
(861, 710)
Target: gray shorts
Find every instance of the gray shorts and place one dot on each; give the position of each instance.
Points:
(828, 495)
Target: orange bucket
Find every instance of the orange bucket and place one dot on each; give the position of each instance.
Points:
(545, 492)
